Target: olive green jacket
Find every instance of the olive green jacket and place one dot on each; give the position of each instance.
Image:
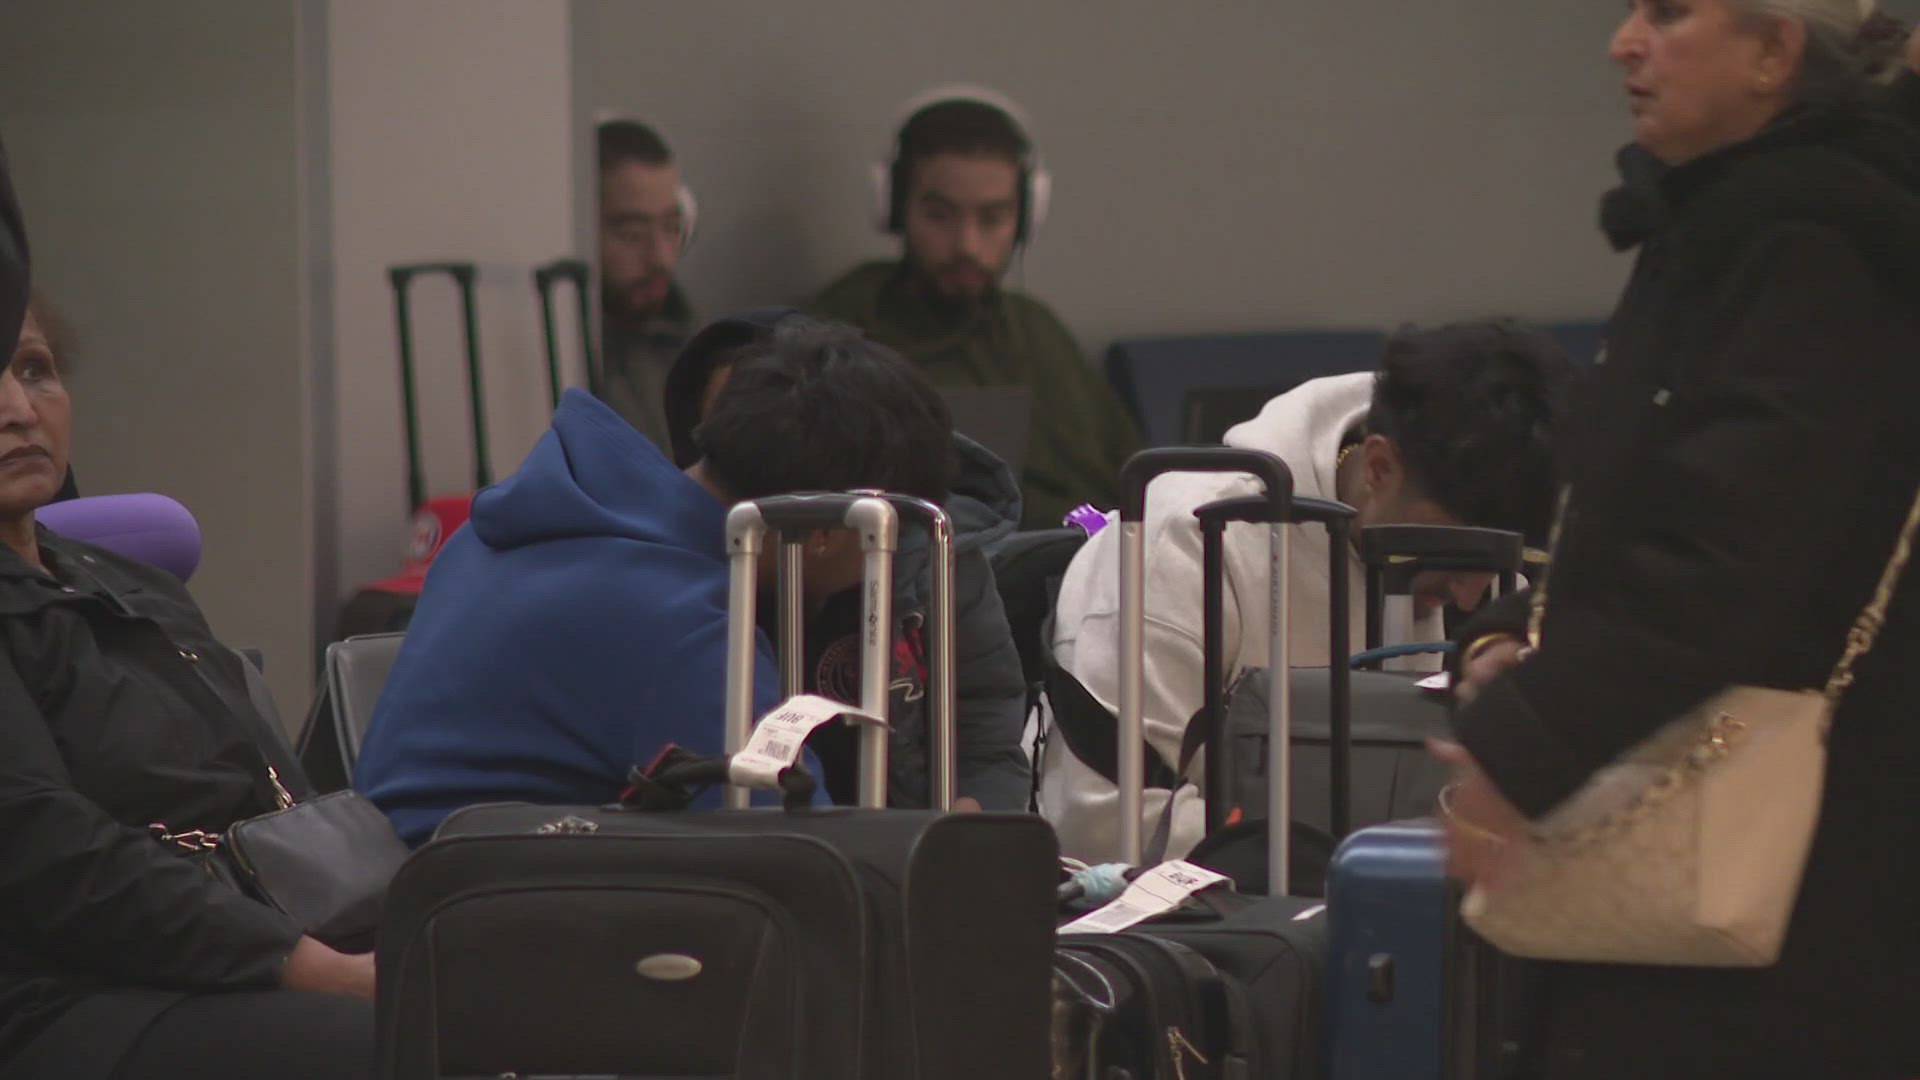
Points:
(1079, 434)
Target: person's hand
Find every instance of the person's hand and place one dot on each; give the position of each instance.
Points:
(1484, 663)
(1485, 832)
(313, 966)
(966, 804)
(1913, 51)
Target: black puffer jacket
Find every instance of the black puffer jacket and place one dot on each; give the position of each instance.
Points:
(991, 692)
(1740, 466)
(118, 710)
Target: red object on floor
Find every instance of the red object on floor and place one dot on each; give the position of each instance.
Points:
(432, 524)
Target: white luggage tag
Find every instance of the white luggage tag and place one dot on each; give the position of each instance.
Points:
(1156, 892)
(774, 746)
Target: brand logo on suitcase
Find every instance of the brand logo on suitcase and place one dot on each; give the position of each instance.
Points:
(669, 967)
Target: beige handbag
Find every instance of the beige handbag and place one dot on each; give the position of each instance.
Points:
(1687, 850)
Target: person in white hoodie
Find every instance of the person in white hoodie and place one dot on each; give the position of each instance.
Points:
(1453, 429)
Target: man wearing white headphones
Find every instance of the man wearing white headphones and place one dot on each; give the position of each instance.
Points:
(646, 220)
(964, 189)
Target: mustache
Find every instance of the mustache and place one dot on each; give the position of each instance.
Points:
(963, 263)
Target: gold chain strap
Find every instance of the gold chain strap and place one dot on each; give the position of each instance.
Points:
(1537, 613)
(1715, 742)
(1866, 629)
(1860, 639)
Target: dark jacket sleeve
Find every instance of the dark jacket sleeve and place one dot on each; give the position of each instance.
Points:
(1505, 615)
(992, 692)
(1756, 477)
(1903, 97)
(89, 892)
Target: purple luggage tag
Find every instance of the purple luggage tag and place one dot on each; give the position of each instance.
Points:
(1086, 517)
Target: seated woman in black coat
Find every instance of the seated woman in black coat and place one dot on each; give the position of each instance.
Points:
(122, 718)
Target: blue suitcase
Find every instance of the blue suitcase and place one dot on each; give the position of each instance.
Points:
(1413, 994)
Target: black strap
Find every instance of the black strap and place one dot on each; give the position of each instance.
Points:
(1201, 732)
(1093, 733)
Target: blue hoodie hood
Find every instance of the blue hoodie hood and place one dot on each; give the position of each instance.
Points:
(593, 474)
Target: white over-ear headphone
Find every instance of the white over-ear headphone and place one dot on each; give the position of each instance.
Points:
(689, 206)
(1036, 182)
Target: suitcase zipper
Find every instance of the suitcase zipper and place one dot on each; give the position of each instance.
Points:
(1178, 1048)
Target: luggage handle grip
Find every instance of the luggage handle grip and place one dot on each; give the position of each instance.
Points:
(789, 514)
(1257, 510)
(1309, 510)
(463, 272)
(574, 270)
(1142, 467)
(1403, 550)
(1443, 547)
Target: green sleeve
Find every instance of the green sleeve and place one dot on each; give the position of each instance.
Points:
(1082, 434)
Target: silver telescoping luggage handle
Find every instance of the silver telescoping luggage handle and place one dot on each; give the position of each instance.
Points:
(1135, 476)
(942, 680)
(877, 524)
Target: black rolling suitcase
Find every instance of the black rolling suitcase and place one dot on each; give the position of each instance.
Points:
(1223, 985)
(755, 944)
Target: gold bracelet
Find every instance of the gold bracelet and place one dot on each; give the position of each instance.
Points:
(1468, 827)
(1487, 641)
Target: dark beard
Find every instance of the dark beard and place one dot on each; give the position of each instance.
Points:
(928, 287)
(614, 307)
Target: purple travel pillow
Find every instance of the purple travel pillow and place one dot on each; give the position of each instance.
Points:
(150, 528)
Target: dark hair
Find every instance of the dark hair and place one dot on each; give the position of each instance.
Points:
(962, 126)
(1472, 407)
(816, 406)
(957, 126)
(629, 140)
(717, 345)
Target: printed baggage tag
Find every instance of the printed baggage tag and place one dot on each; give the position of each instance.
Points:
(775, 744)
(1155, 892)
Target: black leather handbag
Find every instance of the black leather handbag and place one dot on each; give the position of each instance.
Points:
(324, 863)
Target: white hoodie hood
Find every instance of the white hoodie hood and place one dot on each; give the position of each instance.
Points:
(1304, 427)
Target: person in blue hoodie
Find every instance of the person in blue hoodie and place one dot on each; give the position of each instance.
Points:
(577, 624)
(991, 770)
